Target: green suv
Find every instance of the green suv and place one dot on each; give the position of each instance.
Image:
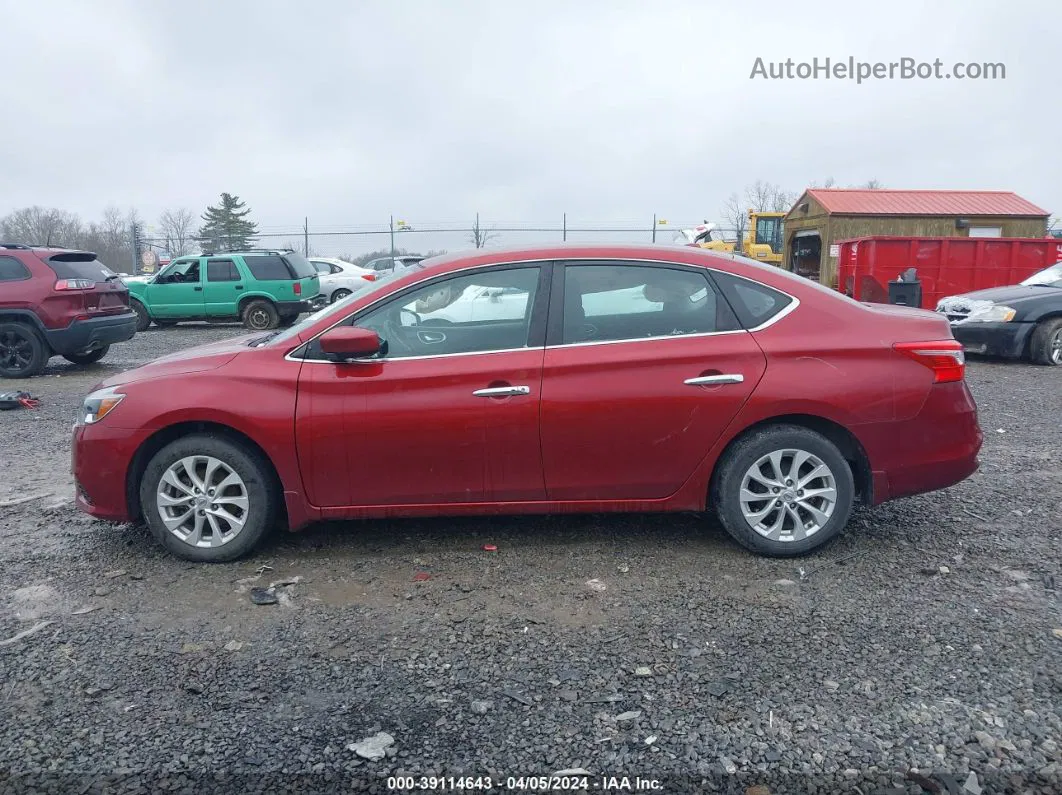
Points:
(262, 288)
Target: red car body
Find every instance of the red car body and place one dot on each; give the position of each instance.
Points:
(605, 427)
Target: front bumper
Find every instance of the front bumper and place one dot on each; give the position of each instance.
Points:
(1009, 340)
(92, 333)
(99, 460)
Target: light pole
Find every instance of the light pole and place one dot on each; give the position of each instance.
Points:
(657, 222)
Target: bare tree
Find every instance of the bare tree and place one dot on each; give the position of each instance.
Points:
(872, 184)
(178, 231)
(480, 235)
(42, 226)
(829, 182)
(735, 215)
(768, 198)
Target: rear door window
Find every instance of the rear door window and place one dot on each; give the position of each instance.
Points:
(222, 270)
(11, 270)
(753, 303)
(79, 265)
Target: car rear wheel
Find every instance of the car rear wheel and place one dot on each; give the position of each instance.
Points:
(207, 498)
(165, 323)
(783, 491)
(260, 316)
(339, 295)
(143, 319)
(87, 358)
(1046, 343)
(22, 351)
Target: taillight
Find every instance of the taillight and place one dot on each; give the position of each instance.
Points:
(75, 284)
(298, 289)
(369, 277)
(944, 357)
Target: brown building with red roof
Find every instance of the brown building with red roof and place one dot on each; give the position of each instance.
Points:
(823, 217)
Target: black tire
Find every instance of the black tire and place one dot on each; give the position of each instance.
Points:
(87, 358)
(143, 318)
(339, 295)
(261, 494)
(165, 323)
(744, 453)
(260, 316)
(1045, 346)
(22, 351)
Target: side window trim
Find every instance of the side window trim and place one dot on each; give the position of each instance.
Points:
(536, 336)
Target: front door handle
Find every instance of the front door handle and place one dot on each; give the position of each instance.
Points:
(721, 378)
(239, 286)
(503, 391)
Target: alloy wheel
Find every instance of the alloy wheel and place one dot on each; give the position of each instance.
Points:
(16, 351)
(1056, 347)
(788, 495)
(202, 501)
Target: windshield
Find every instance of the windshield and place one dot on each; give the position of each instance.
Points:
(1048, 277)
(339, 307)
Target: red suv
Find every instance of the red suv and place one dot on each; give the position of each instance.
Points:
(542, 380)
(58, 302)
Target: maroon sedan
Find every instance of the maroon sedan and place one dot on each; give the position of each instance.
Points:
(541, 380)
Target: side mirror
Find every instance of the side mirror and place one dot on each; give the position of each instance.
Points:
(350, 342)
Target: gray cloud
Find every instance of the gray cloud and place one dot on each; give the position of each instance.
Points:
(609, 111)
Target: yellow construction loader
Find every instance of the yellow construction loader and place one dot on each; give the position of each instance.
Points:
(762, 239)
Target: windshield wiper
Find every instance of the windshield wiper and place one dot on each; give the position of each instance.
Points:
(263, 339)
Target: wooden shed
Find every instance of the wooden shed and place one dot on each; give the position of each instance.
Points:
(823, 217)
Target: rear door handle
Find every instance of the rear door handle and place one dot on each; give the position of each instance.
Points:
(722, 378)
(198, 289)
(503, 391)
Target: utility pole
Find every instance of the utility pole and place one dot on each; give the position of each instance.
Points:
(135, 239)
(392, 239)
(306, 236)
(565, 227)
(654, 227)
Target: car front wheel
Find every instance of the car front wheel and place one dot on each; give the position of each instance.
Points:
(143, 318)
(339, 295)
(783, 491)
(1046, 343)
(207, 498)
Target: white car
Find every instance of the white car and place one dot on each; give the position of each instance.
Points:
(340, 278)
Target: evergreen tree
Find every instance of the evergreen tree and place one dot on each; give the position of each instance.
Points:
(226, 226)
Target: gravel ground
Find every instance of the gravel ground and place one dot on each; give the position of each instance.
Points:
(927, 639)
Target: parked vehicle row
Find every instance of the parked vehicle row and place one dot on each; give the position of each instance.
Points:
(537, 380)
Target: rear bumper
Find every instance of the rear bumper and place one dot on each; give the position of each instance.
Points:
(85, 335)
(935, 449)
(295, 307)
(994, 339)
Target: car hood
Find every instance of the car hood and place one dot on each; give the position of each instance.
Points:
(1010, 295)
(192, 360)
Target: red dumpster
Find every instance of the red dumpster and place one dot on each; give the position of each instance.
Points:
(945, 265)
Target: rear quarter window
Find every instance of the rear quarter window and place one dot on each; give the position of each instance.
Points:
(11, 270)
(753, 303)
(268, 268)
(299, 265)
(78, 265)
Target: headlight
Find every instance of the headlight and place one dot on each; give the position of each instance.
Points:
(98, 405)
(997, 313)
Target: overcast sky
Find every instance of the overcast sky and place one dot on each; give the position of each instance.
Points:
(347, 112)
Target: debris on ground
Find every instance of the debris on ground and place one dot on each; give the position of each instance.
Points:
(1057, 632)
(652, 738)
(421, 576)
(623, 568)
(596, 585)
(482, 707)
(86, 609)
(490, 548)
(233, 645)
(13, 501)
(517, 697)
(633, 714)
(643, 670)
(110, 575)
(26, 633)
(264, 596)
(15, 400)
(374, 747)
